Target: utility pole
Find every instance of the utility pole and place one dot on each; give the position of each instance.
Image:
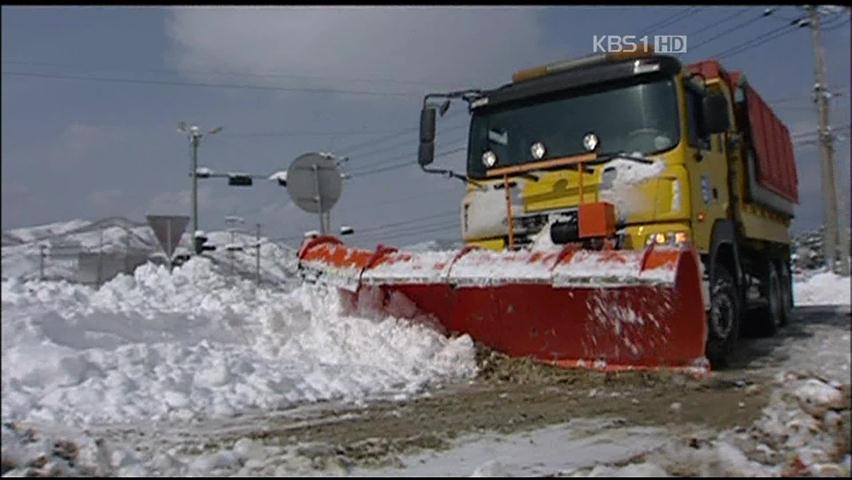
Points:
(821, 96)
(195, 136)
(100, 257)
(231, 251)
(41, 251)
(257, 255)
(232, 220)
(127, 250)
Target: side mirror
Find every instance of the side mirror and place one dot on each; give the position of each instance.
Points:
(715, 112)
(426, 152)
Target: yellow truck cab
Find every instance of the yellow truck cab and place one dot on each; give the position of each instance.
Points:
(682, 153)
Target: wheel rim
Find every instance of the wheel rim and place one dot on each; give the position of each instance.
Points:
(722, 316)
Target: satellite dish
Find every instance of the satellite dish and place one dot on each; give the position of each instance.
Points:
(314, 183)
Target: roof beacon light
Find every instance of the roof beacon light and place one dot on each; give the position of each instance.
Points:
(642, 50)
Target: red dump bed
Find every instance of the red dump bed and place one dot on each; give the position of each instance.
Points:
(773, 147)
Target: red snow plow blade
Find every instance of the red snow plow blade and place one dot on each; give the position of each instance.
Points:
(607, 309)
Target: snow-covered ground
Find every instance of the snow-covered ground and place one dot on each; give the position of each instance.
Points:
(796, 435)
(203, 348)
(821, 288)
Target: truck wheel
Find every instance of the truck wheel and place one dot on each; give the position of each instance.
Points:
(786, 293)
(771, 317)
(724, 317)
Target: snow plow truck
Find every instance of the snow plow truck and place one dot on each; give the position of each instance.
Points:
(622, 211)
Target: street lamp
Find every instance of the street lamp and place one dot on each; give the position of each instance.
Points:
(195, 135)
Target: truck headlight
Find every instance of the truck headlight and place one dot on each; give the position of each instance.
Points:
(667, 238)
(489, 159)
(537, 150)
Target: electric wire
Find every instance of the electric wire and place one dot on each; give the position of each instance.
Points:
(232, 86)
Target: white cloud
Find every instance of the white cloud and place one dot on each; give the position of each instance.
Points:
(443, 45)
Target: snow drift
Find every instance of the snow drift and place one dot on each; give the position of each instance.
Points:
(822, 288)
(158, 346)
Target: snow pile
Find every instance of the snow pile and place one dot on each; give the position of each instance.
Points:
(161, 346)
(485, 212)
(823, 288)
(433, 245)
(542, 240)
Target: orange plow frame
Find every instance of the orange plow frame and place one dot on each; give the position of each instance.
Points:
(608, 309)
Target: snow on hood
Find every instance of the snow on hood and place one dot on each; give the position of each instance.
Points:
(623, 191)
(160, 345)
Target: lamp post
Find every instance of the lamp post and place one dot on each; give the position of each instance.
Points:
(195, 136)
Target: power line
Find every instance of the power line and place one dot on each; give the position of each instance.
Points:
(404, 164)
(413, 145)
(757, 41)
(292, 133)
(667, 21)
(175, 83)
(408, 233)
(393, 228)
(357, 146)
(390, 135)
(225, 73)
(766, 13)
(391, 233)
(408, 222)
(835, 26)
(799, 98)
(376, 165)
(391, 201)
(405, 142)
(718, 22)
(808, 133)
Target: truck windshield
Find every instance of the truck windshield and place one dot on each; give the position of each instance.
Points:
(630, 117)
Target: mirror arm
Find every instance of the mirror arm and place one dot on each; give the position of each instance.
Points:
(452, 174)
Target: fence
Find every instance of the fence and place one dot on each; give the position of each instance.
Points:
(96, 268)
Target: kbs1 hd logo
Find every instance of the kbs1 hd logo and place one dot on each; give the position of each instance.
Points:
(632, 43)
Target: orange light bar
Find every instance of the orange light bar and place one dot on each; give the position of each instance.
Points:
(542, 70)
(641, 51)
(529, 73)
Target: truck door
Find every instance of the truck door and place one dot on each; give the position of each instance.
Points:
(708, 173)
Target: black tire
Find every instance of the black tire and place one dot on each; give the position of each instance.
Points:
(723, 320)
(771, 316)
(786, 292)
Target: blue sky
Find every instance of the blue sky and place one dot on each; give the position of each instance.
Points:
(76, 148)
